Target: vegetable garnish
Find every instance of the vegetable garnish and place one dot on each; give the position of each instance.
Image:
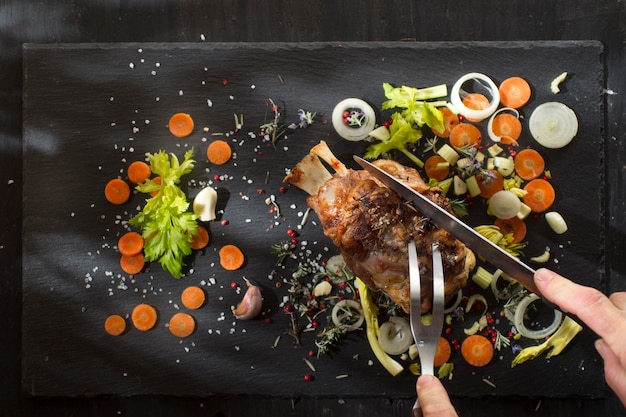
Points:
(200, 240)
(529, 164)
(138, 172)
(219, 152)
(514, 226)
(484, 82)
(181, 125)
(132, 264)
(115, 325)
(182, 325)
(514, 92)
(465, 135)
(250, 305)
(231, 257)
(477, 350)
(555, 343)
(131, 243)
(193, 297)
(144, 317)
(117, 191)
(539, 195)
(553, 124)
(165, 223)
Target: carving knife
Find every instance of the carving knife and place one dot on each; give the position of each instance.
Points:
(497, 256)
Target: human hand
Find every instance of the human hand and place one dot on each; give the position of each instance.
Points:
(604, 315)
(433, 398)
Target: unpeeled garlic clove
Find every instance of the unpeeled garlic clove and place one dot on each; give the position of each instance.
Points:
(250, 305)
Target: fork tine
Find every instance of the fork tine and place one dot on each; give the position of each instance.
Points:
(438, 289)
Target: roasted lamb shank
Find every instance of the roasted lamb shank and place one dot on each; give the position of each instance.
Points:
(372, 225)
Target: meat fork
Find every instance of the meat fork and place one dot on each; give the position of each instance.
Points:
(426, 336)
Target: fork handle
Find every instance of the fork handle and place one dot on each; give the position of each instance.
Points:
(417, 410)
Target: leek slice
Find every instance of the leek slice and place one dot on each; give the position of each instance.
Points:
(555, 343)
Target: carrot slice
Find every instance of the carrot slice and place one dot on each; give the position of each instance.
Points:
(132, 264)
(529, 164)
(231, 257)
(131, 243)
(514, 92)
(144, 317)
(157, 180)
(490, 182)
(432, 169)
(507, 127)
(475, 101)
(193, 297)
(219, 152)
(138, 172)
(182, 325)
(115, 325)
(442, 352)
(181, 125)
(117, 191)
(514, 226)
(201, 240)
(450, 120)
(465, 135)
(477, 350)
(539, 195)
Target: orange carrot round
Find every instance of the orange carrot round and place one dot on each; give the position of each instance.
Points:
(193, 297)
(144, 317)
(442, 352)
(132, 264)
(465, 135)
(219, 152)
(477, 350)
(231, 257)
(432, 169)
(507, 127)
(490, 182)
(182, 325)
(181, 125)
(156, 180)
(475, 101)
(115, 325)
(539, 195)
(117, 191)
(138, 172)
(514, 226)
(201, 240)
(529, 164)
(449, 121)
(514, 92)
(130, 243)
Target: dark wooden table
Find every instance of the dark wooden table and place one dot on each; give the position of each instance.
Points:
(90, 21)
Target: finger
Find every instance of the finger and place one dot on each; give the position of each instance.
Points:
(589, 304)
(619, 299)
(433, 398)
(614, 371)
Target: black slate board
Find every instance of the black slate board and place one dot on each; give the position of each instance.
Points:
(89, 110)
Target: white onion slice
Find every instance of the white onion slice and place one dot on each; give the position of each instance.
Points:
(504, 204)
(553, 124)
(457, 101)
(352, 305)
(492, 135)
(534, 334)
(455, 304)
(394, 336)
(350, 132)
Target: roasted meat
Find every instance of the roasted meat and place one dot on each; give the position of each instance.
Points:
(372, 225)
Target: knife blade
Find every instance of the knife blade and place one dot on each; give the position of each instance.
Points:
(493, 253)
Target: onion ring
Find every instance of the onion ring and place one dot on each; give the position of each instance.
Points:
(352, 133)
(348, 304)
(457, 101)
(534, 334)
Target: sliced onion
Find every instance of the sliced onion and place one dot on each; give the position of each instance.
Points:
(553, 124)
(502, 295)
(504, 204)
(350, 132)
(457, 101)
(394, 336)
(490, 131)
(340, 309)
(534, 334)
(455, 304)
(335, 264)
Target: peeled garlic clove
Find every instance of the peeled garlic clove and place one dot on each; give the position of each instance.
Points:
(250, 305)
(204, 204)
(322, 289)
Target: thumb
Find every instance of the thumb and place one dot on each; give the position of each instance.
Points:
(433, 398)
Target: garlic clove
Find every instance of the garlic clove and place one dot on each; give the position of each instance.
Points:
(250, 305)
(204, 204)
